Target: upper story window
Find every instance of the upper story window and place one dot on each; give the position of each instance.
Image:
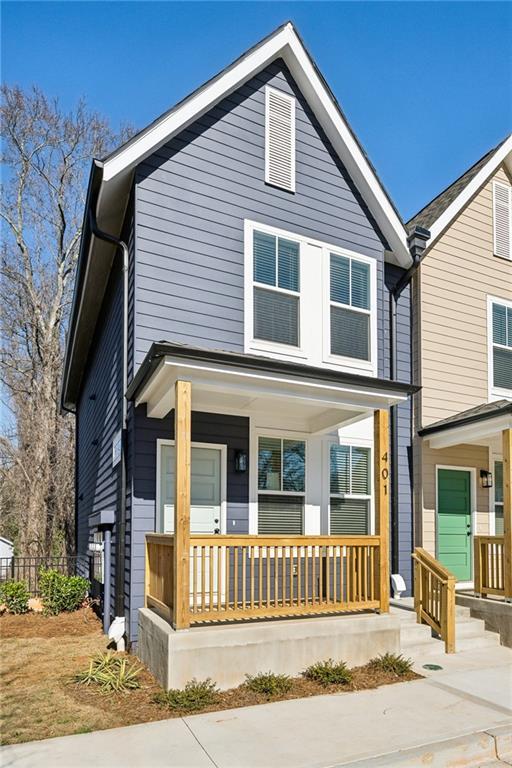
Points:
(281, 485)
(502, 219)
(308, 300)
(349, 281)
(279, 139)
(350, 490)
(500, 352)
(276, 305)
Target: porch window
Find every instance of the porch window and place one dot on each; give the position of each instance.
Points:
(281, 485)
(498, 498)
(502, 346)
(350, 303)
(350, 490)
(276, 289)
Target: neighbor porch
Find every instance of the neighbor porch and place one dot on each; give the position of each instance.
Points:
(468, 457)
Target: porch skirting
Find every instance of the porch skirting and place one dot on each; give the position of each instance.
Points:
(226, 653)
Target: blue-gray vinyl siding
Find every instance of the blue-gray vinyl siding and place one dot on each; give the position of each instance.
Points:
(192, 197)
(404, 543)
(232, 431)
(98, 419)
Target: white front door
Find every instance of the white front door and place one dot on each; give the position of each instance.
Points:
(205, 490)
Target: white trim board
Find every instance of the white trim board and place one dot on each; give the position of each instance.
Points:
(285, 44)
(453, 210)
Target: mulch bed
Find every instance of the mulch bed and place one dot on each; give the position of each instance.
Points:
(81, 622)
(140, 703)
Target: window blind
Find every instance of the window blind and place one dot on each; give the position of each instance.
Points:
(350, 333)
(349, 517)
(280, 515)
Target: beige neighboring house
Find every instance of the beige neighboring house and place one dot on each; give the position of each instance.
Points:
(463, 360)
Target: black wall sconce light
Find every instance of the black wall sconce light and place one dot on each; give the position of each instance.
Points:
(486, 478)
(241, 461)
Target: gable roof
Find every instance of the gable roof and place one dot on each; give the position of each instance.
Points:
(110, 180)
(437, 215)
(472, 415)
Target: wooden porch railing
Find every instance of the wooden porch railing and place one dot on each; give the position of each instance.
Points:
(249, 577)
(489, 565)
(434, 596)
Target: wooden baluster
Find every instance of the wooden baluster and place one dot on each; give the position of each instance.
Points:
(260, 574)
(313, 574)
(244, 576)
(299, 576)
(219, 578)
(276, 576)
(194, 580)
(321, 563)
(251, 555)
(203, 579)
(227, 585)
(235, 584)
(210, 556)
(306, 577)
(283, 576)
(291, 575)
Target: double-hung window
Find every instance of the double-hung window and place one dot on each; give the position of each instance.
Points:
(350, 307)
(281, 485)
(350, 490)
(501, 353)
(498, 498)
(276, 289)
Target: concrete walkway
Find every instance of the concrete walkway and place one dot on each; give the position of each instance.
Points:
(466, 701)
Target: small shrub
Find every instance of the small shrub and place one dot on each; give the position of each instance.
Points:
(391, 662)
(268, 683)
(15, 595)
(195, 696)
(329, 672)
(113, 674)
(60, 592)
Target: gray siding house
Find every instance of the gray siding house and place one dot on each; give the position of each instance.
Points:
(242, 242)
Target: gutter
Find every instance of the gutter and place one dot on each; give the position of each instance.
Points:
(417, 242)
(121, 517)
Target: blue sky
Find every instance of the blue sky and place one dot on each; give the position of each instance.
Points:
(426, 86)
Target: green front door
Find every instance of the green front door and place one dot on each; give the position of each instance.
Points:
(454, 521)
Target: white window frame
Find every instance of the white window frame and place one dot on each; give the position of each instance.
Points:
(292, 100)
(351, 443)
(223, 449)
(282, 435)
(508, 187)
(314, 304)
(495, 393)
(369, 366)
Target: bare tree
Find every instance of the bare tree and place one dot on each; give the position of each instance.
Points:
(46, 159)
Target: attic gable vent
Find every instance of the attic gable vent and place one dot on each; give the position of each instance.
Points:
(502, 210)
(280, 139)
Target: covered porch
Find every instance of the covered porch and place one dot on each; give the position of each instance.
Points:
(310, 568)
(473, 496)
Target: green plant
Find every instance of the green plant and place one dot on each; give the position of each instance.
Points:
(60, 592)
(111, 673)
(391, 662)
(268, 683)
(195, 696)
(15, 595)
(329, 672)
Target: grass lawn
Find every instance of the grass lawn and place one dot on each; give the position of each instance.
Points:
(40, 656)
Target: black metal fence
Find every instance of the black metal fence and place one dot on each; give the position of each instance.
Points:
(27, 568)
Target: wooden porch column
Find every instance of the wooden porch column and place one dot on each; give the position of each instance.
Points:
(382, 486)
(181, 582)
(507, 512)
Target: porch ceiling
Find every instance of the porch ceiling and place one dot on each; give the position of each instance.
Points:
(226, 382)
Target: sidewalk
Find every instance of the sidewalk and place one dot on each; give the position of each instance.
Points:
(471, 695)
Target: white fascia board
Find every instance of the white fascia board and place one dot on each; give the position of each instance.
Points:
(470, 433)
(287, 45)
(212, 376)
(468, 192)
